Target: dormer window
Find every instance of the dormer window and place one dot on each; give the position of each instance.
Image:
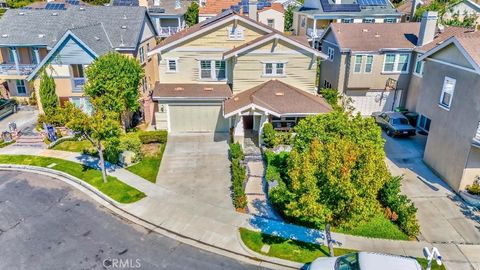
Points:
(236, 33)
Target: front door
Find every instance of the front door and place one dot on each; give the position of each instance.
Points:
(248, 122)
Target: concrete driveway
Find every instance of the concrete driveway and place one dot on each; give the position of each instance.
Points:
(197, 165)
(442, 215)
(25, 118)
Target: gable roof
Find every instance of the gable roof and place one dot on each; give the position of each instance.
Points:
(442, 36)
(369, 37)
(222, 19)
(40, 27)
(467, 43)
(276, 98)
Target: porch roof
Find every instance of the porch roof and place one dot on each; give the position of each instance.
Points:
(277, 98)
(191, 91)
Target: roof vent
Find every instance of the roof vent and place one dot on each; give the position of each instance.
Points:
(364, 30)
(97, 38)
(82, 8)
(41, 35)
(55, 14)
(4, 35)
(377, 35)
(235, 98)
(178, 89)
(208, 88)
(21, 13)
(124, 27)
(279, 94)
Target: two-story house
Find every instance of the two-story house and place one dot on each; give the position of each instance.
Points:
(315, 15)
(167, 15)
(41, 38)
(445, 94)
(232, 72)
(371, 65)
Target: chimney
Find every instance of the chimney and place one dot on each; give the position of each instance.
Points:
(428, 27)
(252, 9)
(415, 4)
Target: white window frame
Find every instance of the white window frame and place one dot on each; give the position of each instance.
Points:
(390, 20)
(213, 70)
(395, 63)
(331, 54)
(447, 91)
(422, 63)
(274, 69)
(347, 20)
(273, 22)
(359, 65)
(366, 63)
(236, 33)
(167, 63)
(368, 20)
(141, 54)
(22, 85)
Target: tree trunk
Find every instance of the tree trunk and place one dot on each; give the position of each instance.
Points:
(102, 162)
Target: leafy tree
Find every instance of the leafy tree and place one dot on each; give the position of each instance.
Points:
(98, 128)
(191, 15)
(48, 97)
(468, 20)
(330, 95)
(113, 80)
(335, 171)
(97, 2)
(18, 3)
(289, 18)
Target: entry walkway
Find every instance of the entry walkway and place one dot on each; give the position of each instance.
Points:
(218, 226)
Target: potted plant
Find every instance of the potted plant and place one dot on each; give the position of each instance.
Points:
(472, 193)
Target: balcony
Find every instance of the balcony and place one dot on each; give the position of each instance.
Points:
(168, 31)
(11, 69)
(316, 34)
(78, 84)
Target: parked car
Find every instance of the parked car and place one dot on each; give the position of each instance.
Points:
(365, 261)
(394, 123)
(7, 106)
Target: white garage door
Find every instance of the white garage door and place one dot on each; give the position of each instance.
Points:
(197, 118)
(374, 101)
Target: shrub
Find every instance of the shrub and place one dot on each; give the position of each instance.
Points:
(157, 136)
(276, 166)
(330, 95)
(131, 142)
(268, 135)
(474, 189)
(112, 150)
(400, 206)
(236, 151)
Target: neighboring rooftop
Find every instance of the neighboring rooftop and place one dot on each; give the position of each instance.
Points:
(55, 5)
(214, 7)
(406, 7)
(169, 7)
(120, 26)
(277, 97)
(351, 8)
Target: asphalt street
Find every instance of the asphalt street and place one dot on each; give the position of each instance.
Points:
(46, 224)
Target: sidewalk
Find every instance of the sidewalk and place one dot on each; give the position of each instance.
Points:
(218, 226)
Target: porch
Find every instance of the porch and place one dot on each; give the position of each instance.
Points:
(18, 62)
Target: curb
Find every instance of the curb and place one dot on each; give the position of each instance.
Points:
(114, 207)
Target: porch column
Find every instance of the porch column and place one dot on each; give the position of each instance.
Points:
(179, 23)
(314, 34)
(37, 55)
(15, 59)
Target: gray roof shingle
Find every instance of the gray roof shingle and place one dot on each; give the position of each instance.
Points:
(100, 27)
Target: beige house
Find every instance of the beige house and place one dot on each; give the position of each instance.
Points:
(231, 72)
(371, 65)
(447, 100)
(38, 38)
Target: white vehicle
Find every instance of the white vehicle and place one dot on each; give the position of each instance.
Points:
(365, 261)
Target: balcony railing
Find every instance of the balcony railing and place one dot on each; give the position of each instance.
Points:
(78, 84)
(316, 34)
(476, 138)
(168, 31)
(11, 69)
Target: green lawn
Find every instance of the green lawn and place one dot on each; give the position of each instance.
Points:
(74, 146)
(377, 227)
(114, 188)
(286, 249)
(298, 251)
(148, 167)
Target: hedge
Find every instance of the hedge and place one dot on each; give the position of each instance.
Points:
(400, 209)
(157, 136)
(239, 176)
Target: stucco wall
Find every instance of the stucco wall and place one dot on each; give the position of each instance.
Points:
(331, 71)
(451, 132)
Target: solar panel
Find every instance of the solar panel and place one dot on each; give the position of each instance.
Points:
(372, 2)
(55, 6)
(127, 3)
(73, 2)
